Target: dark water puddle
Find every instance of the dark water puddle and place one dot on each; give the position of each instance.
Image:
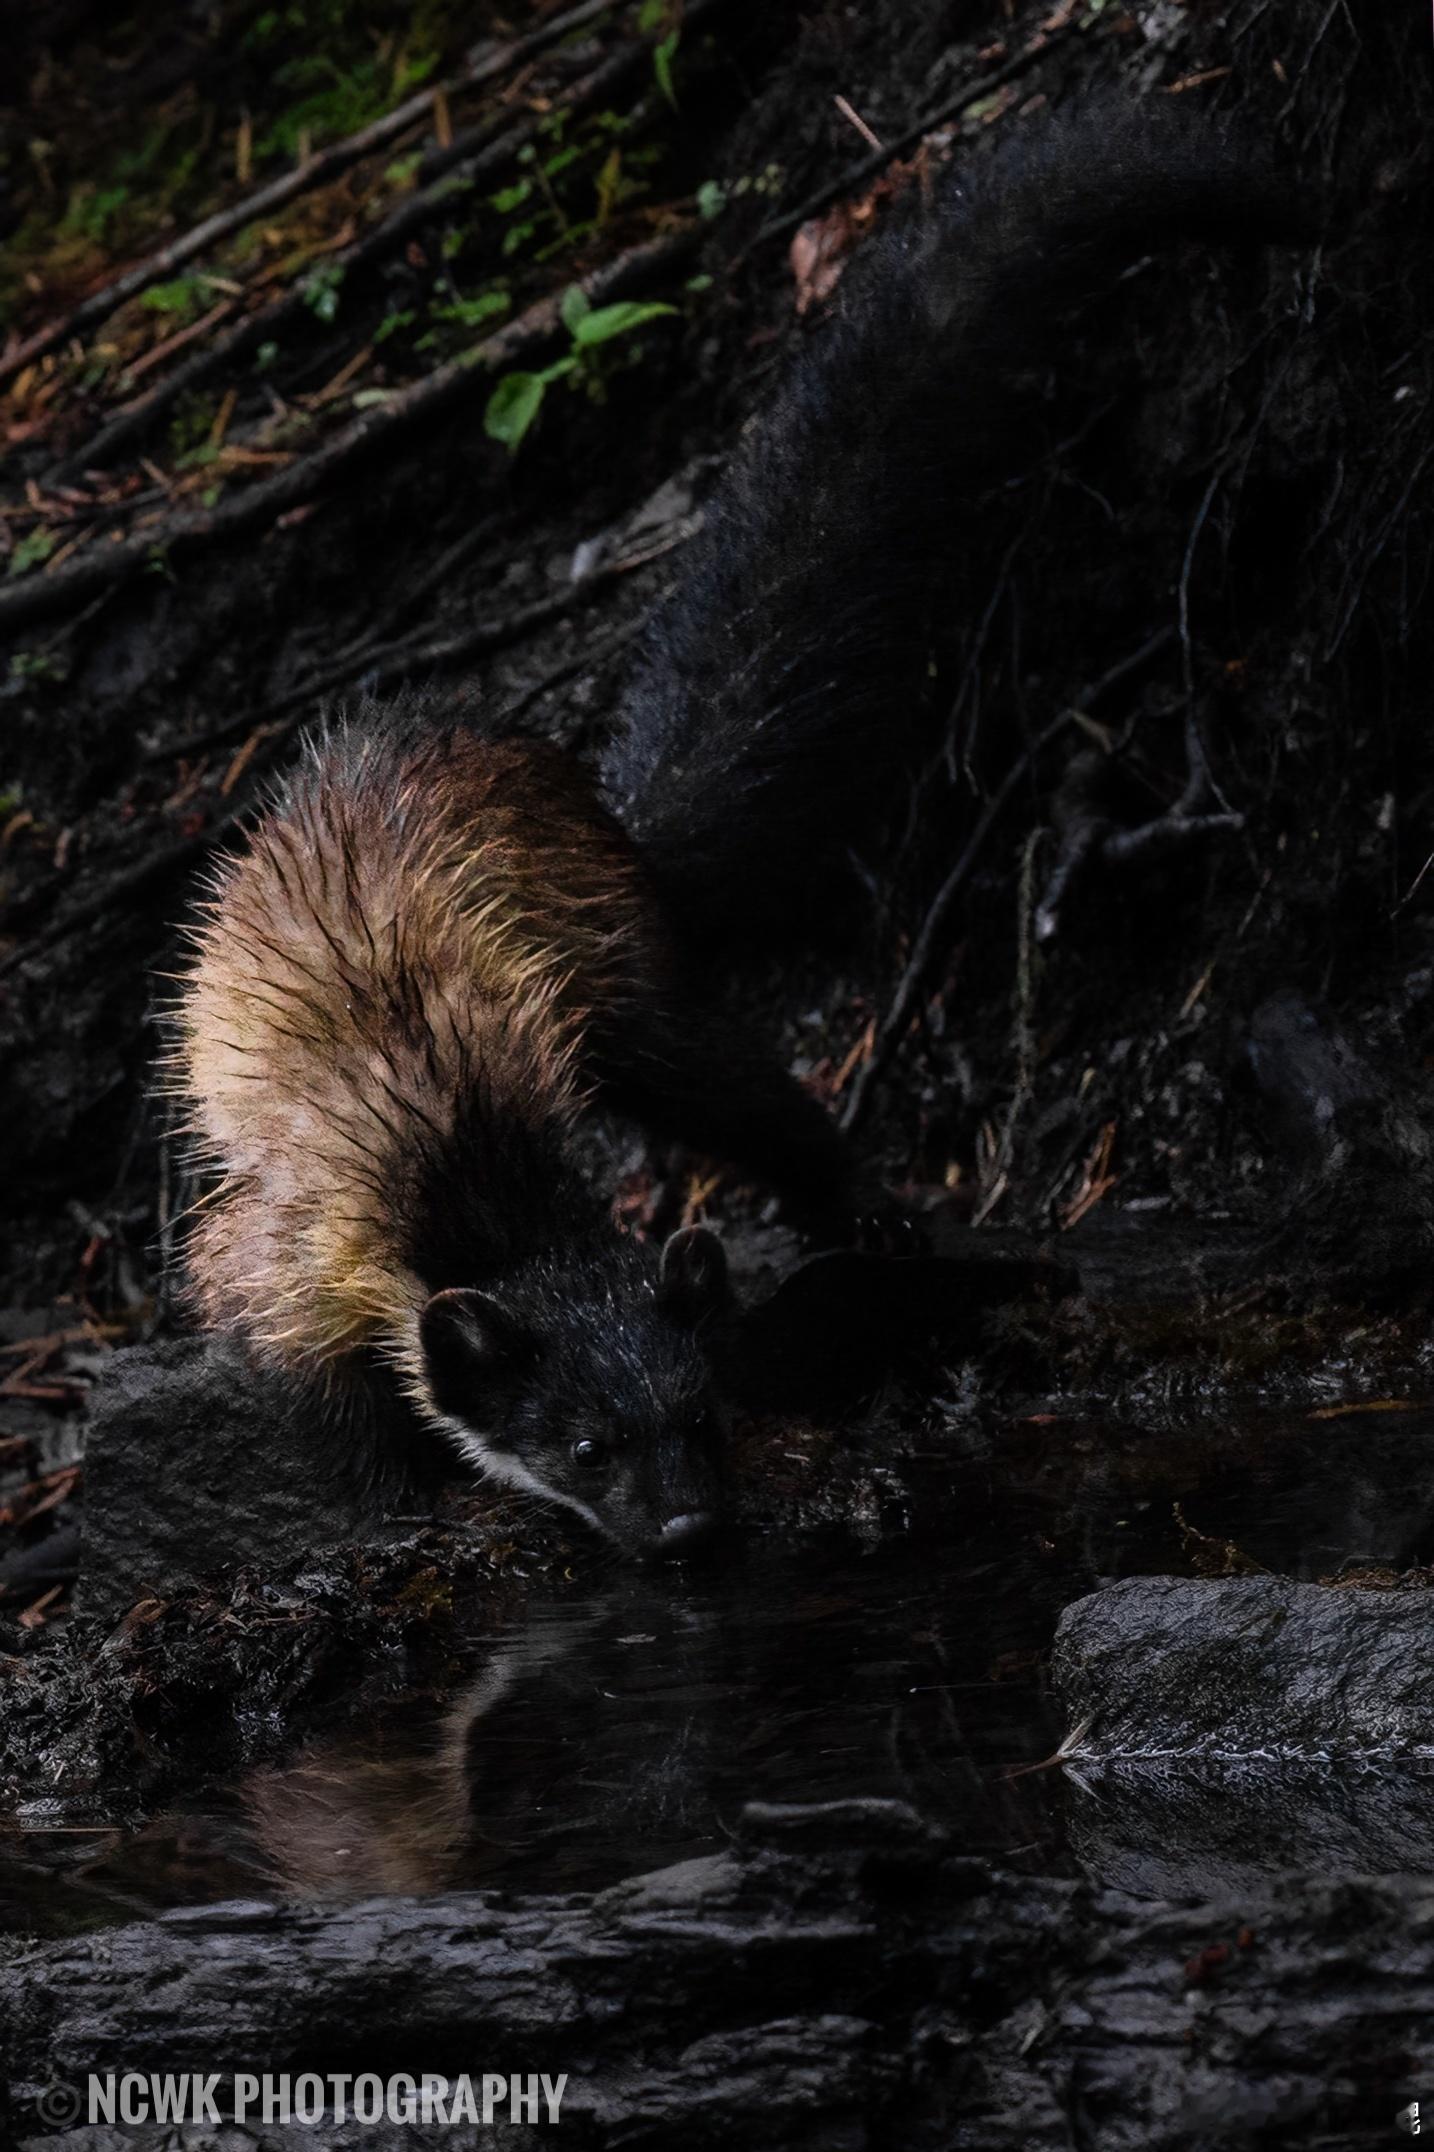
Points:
(612, 1732)
(611, 1726)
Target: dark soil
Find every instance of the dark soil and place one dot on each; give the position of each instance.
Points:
(1170, 1164)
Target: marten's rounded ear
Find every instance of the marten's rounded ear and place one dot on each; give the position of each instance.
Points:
(693, 1281)
(471, 1343)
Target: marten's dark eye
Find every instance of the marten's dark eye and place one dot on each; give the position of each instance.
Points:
(589, 1452)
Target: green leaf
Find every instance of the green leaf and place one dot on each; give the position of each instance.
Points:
(30, 665)
(412, 72)
(558, 370)
(575, 307)
(392, 323)
(320, 290)
(662, 57)
(184, 296)
(650, 14)
(606, 322)
(512, 408)
(31, 551)
(711, 199)
(472, 313)
(510, 198)
(366, 399)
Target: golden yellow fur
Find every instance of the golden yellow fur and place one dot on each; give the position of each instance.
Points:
(411, 924)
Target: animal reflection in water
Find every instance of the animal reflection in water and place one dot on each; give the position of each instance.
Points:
(599, 1742)
(341, 1821)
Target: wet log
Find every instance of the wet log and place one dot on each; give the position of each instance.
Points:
(841, 1976)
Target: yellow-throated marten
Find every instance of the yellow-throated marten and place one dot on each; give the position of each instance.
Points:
(435, 942)
(397, 994)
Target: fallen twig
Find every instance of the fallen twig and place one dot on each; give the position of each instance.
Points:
(111, 897)
(898, 1016)
(371, 432)
(494, 153)
(403, 660)
(278, 192)
(383, 664)
(856, 176)
(893, 1025)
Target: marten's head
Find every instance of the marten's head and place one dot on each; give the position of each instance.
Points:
(582, 1377)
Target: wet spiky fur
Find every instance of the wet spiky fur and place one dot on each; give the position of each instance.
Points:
(377, 1005)
(393, 997)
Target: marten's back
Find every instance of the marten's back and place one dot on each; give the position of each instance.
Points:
(386, 994)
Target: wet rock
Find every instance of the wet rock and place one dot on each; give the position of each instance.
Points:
(1310, 1076)
(1192, 1828)
(194, 1465)
(1248, 1666)
(869, 1992)
(1224, 1730)
(1360, 1209)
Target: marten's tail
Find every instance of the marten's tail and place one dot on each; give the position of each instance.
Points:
(773, 703)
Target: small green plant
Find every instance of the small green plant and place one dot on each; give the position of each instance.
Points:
(658, 15)
(199, 457)
(191, 426)
(331, 100)
(451, 313)
(518, 397)
(183, 296)
(36, 665)
(321, 289)
(92, 210)
(767, 181)
(32, 551)
(472, 313)
(663, 55)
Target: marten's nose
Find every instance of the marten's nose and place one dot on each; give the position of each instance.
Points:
(684, 1534)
